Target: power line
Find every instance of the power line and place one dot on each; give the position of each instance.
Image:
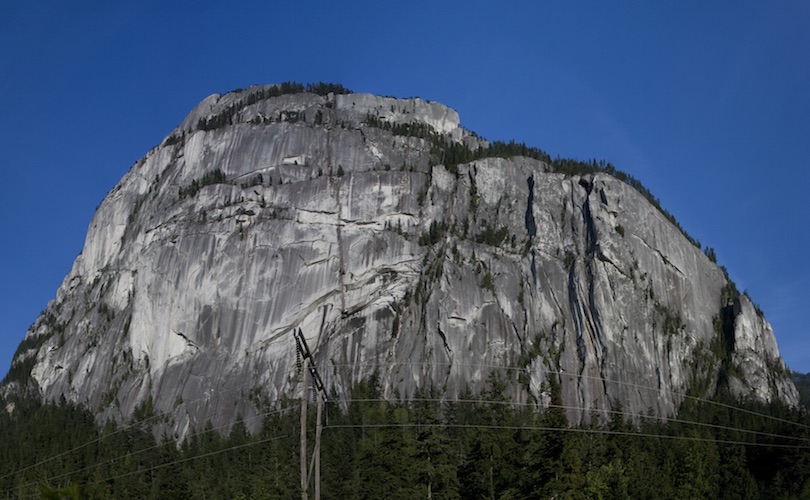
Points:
(480, 401)
(449, 425)
(614, 412)
(82, 446)
(483, 365)
(132, 453)
(574, 375)
(125, 427)
(187, 459)
(577, 430)
(567, 429)
(125, 455)
(524, 369)
(466, 401)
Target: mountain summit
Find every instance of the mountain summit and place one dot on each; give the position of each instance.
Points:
(403, 247)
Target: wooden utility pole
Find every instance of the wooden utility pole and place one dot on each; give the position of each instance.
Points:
(304, 396)
(318, 429)
(309, 365)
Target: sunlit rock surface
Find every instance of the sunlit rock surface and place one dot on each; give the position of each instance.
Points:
(573, 290)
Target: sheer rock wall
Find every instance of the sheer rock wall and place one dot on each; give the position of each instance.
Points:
(390, 263)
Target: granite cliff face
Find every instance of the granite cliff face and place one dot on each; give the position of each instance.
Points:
(340, 215)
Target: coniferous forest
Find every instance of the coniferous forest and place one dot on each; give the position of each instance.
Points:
(479, 446)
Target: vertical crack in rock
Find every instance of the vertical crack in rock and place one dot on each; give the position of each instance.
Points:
(341, 263)
(587, 219)
(576, 315)
(328, 149)
(326, 308)
(444, 341)
(591, 350)
(531, 227)
(593, 311)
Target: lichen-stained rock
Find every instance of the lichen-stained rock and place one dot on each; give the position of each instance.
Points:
(340, 215)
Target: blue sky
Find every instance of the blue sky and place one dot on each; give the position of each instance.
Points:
(707, 103)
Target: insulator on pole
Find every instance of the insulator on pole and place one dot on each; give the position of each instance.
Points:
(298, 361)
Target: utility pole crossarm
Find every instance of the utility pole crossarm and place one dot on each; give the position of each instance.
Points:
(307, 354)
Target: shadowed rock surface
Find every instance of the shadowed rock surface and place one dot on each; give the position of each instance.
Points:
(336, 214)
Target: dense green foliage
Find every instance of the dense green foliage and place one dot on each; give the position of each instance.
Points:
(434, 234)
(802, 381)
(225, 117)
(472, 448)
(24, 362)
(324, 88)
(213, 177)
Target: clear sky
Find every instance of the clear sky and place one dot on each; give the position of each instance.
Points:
(707, 103)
